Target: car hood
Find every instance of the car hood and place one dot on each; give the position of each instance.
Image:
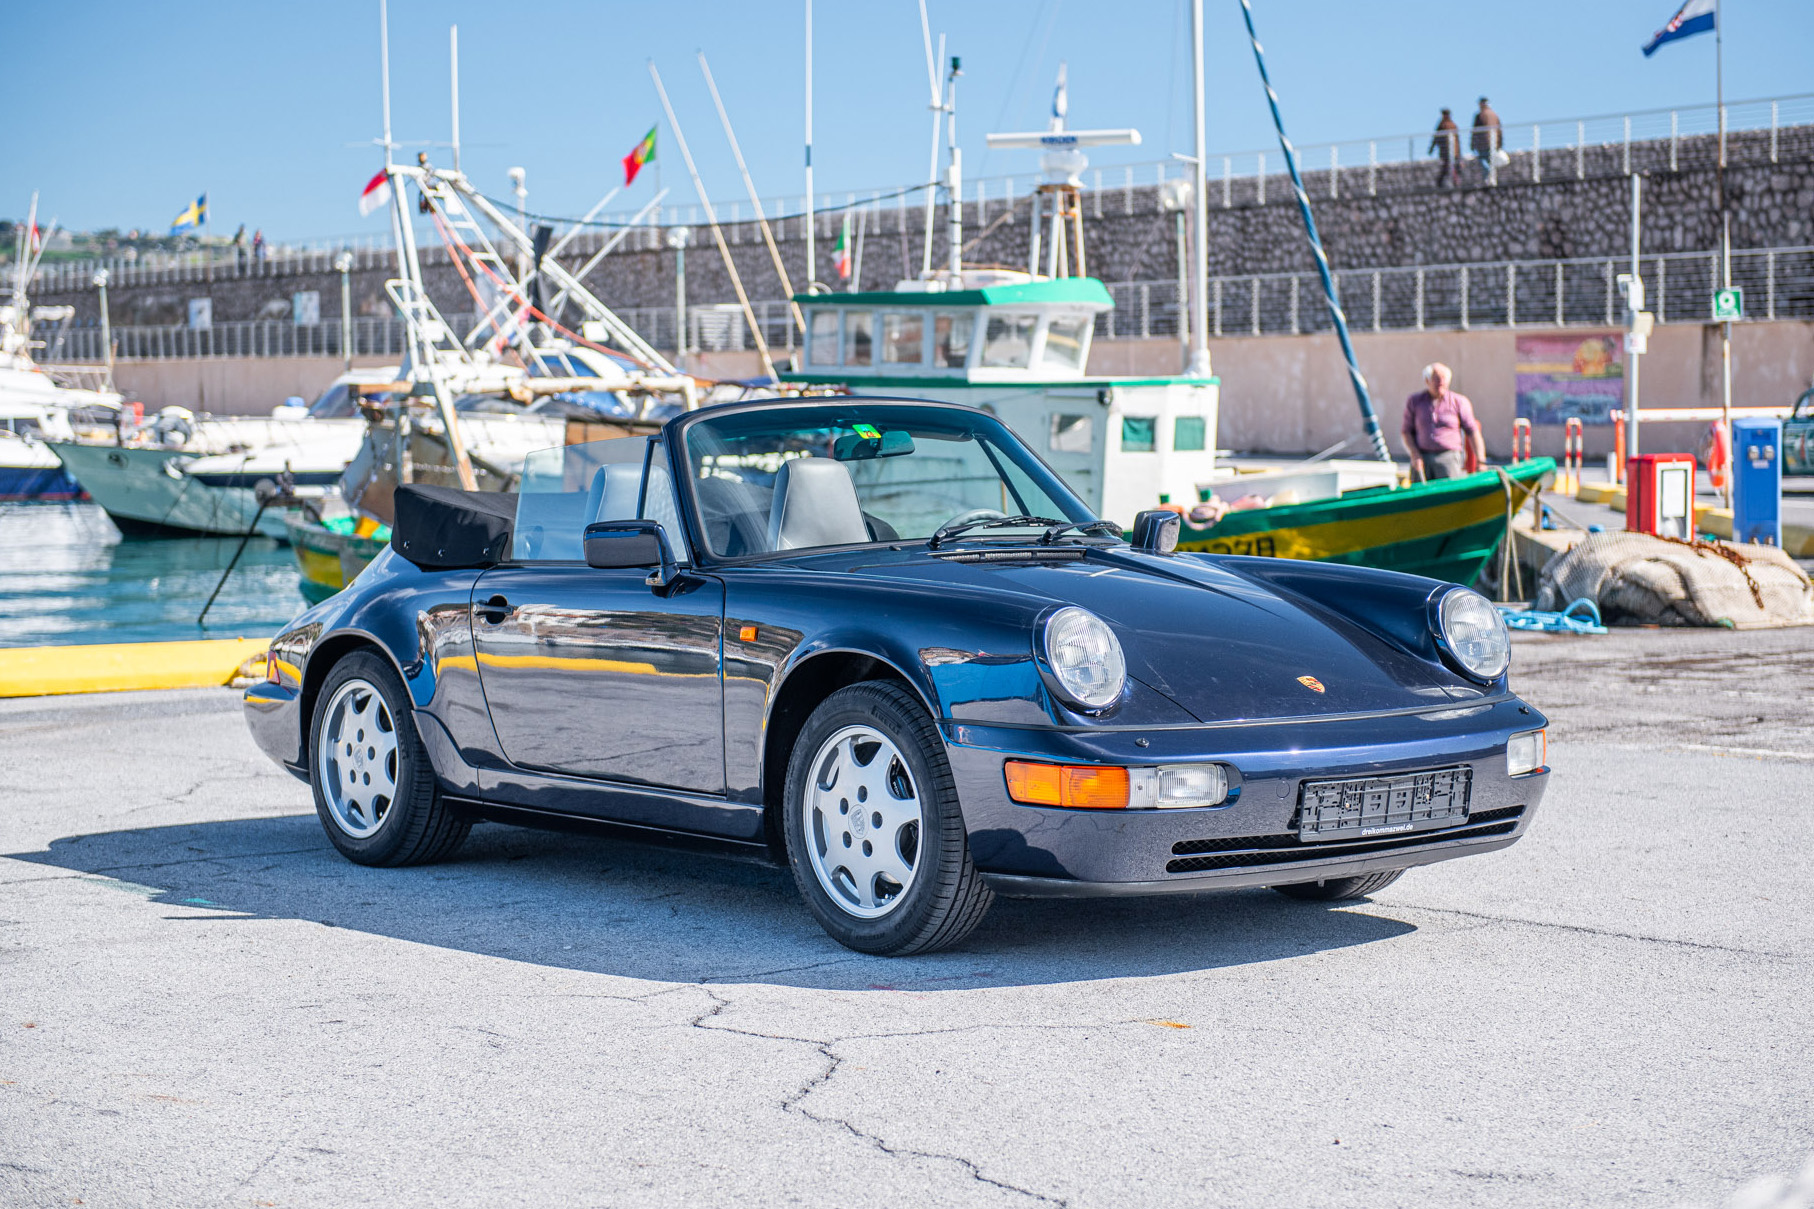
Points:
(1223, 645)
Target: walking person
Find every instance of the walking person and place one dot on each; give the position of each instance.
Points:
(1486, 140)
(1439, 427)
(1446, 142)
(258, 246)
(239, 248)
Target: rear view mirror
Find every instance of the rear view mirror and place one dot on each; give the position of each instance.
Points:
(867, 441)
(1156, 532)
(618, 545)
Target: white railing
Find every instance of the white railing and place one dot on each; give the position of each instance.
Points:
(1778, 285)
(1765, 130)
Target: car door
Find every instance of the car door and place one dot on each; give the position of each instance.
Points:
(592, 672)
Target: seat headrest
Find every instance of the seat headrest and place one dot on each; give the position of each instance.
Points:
(815, 505)
(614, 494)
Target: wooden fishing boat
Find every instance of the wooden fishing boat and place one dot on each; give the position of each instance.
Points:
(330, 553)
(1445, 529)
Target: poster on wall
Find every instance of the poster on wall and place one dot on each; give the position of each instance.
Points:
(1567, 375)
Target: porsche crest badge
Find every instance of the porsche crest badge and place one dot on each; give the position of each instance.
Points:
(1311, 683)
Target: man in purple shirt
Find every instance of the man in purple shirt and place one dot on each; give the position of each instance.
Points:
(1438, 425)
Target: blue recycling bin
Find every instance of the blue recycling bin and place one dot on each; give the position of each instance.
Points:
(1757, 481)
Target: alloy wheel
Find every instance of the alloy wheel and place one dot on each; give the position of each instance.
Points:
(863, 822)
(356, 758)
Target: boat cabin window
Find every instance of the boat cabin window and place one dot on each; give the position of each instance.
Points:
(1070, 434)
(951, 340)
(903, 337)
(858, 337)
(556, 365)
(566, 488)
(822, 344)
(24, 426)
(1189, 434)
(334, 403)
(1137, 433)
(1008, 344)
(1065, 342)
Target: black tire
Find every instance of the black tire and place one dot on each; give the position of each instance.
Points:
(417, 826)
(1338, 889)
(946, 897)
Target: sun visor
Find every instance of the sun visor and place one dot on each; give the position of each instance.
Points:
(441, 528)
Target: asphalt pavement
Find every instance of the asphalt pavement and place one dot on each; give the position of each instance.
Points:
(202, 1004)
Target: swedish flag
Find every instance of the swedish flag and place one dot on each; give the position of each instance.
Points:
(195, 215)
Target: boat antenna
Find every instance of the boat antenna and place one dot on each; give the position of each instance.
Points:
(453, 54)
(1368, 419)
(934, 83)
(711, 214)
(384, 72)
(812, 218)
(954, 174)
(768, 236)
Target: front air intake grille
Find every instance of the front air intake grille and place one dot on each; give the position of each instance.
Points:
(1232, 852)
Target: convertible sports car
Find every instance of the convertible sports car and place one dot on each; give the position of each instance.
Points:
(879, 641)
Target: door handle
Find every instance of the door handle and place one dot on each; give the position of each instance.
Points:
(495, 611)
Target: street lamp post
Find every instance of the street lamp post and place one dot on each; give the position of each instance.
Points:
(344, 263)
(100, 283)
(678, 237)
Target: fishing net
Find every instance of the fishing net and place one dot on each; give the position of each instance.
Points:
(1637, 579)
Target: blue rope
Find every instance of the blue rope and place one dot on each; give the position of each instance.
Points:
(1565, 622)
(1340, 320)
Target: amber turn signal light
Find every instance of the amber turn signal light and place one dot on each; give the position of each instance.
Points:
(1077, 786)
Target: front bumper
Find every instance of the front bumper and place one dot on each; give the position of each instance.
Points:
(1250, 840)
(273, 715)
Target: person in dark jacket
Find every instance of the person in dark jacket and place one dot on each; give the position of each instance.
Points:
(1446, 142)
(1487, 138)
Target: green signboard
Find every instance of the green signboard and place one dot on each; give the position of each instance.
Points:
(1728, 305)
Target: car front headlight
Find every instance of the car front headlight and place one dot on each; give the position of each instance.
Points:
(1473, 634)
(1084, 658)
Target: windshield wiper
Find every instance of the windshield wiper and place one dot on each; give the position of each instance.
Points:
(948, 532)
(1080, 528)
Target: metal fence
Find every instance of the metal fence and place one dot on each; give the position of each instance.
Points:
(1778, 284)
(1767, 130)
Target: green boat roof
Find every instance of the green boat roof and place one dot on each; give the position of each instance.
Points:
(1064, 289)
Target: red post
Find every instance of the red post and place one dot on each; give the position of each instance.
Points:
(1521, 432)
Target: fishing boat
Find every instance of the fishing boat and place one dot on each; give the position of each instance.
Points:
(331, 551)
(1445, 529)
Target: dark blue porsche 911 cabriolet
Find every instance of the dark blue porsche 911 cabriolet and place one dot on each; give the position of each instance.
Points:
(881, 642)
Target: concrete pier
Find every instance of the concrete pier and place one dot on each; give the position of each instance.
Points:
(203, 1003)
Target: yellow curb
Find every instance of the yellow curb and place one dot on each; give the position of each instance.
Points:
(39, 671)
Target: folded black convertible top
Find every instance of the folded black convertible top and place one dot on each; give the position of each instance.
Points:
(441, 528)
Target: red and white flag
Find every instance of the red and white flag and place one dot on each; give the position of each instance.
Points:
(376, 193)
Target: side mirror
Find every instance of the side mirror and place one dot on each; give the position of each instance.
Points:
(1156, 532)
(623, 544)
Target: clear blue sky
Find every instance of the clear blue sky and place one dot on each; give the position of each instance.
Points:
(129, 109)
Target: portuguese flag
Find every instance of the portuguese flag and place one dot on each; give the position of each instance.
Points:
(633, 162)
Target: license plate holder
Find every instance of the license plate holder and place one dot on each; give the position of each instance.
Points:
(1354, 808)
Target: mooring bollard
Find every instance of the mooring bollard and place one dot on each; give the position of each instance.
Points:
(1574, 449)
(1521, 440)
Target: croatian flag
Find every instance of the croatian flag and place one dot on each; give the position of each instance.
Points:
(1694, 17)
(377, 192)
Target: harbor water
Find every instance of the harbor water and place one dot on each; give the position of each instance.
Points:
(67, 576)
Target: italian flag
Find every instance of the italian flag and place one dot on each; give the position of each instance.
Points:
(840, 252)
(644, 152)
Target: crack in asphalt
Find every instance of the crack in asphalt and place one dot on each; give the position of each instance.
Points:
(1606, 932)
(833, 1060)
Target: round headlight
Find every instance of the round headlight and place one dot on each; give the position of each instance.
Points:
(1085, 658)
(1475, 634)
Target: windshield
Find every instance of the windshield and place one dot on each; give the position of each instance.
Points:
(830, 475)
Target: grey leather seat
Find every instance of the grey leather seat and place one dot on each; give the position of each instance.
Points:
(815, 505)
(614, 493)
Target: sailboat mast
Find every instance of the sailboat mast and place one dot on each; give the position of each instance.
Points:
(812, 219)
(1369, 420)
(1199, 366)
(453, 54)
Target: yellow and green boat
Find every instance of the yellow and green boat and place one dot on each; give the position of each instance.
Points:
(1445, 529)
(331, 552)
